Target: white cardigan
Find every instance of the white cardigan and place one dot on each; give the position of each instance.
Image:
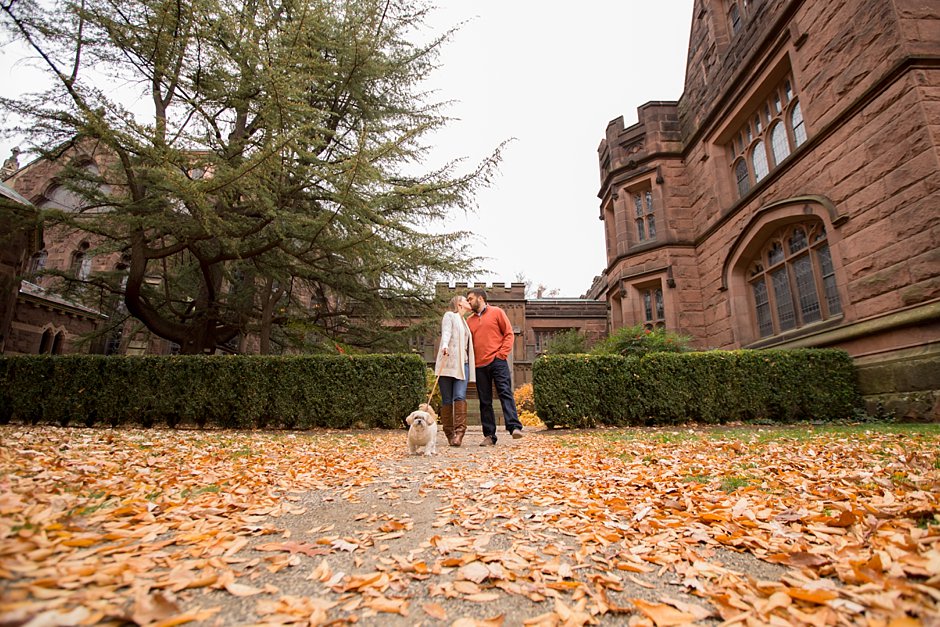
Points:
(455, 335)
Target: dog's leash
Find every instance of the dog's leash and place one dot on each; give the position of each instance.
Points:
(434, 385)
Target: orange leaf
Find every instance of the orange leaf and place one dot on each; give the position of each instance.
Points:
(662, 614)
(482, 597)
(435, 610)
(241, 590)
(813, 596)
(389, 606)
(80, 542)
(634, 568)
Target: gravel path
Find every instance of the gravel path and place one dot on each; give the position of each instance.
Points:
(424, 533)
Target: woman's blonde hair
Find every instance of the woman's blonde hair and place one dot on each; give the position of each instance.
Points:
(454, 301)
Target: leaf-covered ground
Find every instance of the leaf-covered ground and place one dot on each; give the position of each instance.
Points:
(751, 526)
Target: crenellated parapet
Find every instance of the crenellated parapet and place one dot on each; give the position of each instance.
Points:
(494, 291)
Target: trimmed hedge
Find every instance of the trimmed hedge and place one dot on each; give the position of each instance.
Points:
(243, 391)
(708, 387)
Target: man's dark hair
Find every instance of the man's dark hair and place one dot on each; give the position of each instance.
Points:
(478, 291)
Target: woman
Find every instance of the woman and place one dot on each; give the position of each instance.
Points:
(456, 368)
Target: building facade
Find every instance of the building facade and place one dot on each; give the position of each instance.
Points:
(34, 320)
(791, 197)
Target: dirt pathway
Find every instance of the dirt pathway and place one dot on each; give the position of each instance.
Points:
(469, 536)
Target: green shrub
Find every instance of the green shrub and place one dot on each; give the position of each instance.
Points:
(709, 387)
(638, 341)
(218, 391)
(567, 342)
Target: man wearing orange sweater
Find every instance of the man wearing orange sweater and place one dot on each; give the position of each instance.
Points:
(492, 343)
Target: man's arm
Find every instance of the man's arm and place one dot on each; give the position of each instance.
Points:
(508, 336)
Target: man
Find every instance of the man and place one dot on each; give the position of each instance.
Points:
(492, 343)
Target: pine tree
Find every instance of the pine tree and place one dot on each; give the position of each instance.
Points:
(275, 185)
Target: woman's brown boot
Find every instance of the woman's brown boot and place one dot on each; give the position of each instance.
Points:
(460, 422)
(447, 421)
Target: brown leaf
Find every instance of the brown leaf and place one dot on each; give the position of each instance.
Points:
(434, 610)
(294, 547)
(241, 590)
(151, 608)
(476, 572)
(389, 606)
(662, 614)
(813, 596)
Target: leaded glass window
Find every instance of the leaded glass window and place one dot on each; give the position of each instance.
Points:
(793, 280)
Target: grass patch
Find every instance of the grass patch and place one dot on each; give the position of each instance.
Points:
(206, 489)
(760, 434)
(697, 479)
(730, 484)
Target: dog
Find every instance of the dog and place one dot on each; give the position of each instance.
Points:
(422, 430)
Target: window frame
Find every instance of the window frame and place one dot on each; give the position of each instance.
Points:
(644, 214)
(753, 142)
(763, 269)
(652, 300)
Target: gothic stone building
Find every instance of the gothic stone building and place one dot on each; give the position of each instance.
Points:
(40, 305)
(791, 197)
(32, 319)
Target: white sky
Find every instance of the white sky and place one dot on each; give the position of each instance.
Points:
(552, 76)
(551, 79)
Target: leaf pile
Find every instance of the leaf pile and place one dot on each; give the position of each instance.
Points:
(168, 527)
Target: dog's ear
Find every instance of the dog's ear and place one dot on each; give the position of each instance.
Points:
(410, 418)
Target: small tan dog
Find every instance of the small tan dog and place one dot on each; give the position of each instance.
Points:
(422, 430)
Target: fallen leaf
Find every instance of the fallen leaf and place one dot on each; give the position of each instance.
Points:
(661, 614)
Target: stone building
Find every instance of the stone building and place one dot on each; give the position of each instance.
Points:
(43, 304)
(32, 319)
(790, 197)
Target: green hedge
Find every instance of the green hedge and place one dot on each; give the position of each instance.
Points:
(299, 392)
(708, 387)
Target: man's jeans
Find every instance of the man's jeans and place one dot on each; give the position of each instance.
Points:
(496, 372)
(453, 389)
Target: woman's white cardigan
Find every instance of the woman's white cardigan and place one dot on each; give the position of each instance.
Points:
(455, 335)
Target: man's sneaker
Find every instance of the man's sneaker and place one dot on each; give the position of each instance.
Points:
(516, 434)
(488, 441)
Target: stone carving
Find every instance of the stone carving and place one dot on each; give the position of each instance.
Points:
(12, 163)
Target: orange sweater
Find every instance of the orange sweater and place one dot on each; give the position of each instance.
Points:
(492, 335)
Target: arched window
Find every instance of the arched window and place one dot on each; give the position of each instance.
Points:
(57, 341)
(759, 161)
(654, 309)
(778, 142)
(38, 261)
(740, 173)
(80, 262)
(772, 130)
(734, 17)
(73, 197)
(45, 342)
(796, 123)
(645, 215)
(792, 280)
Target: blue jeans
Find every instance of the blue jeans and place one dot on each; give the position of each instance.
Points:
(453, 389)
(496, 372)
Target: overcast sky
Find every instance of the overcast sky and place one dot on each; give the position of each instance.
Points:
(551, 78)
